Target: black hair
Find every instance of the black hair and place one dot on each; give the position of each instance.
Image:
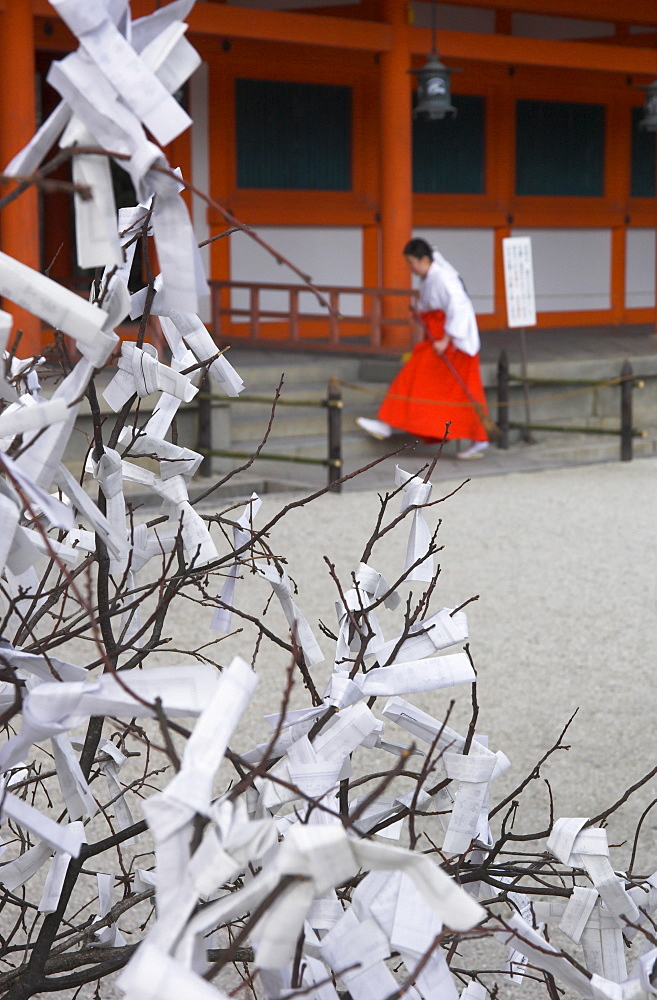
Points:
(418, 248)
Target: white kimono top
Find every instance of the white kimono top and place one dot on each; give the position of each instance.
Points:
(442, 288)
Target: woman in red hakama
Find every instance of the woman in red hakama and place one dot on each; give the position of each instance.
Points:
(426, 395)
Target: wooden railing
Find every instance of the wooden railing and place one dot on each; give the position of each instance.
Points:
(382, 309)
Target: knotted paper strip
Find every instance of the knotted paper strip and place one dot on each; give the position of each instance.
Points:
(355, 621)
(56, 305)
(301, 631)
(416, 493)
(140, 372)
(222, 618)
(588, 849)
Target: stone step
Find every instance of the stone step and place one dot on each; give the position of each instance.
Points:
(287, 424)
(247, 419)
(384, 368)
(575, 449)
(355, 445)
(355, 397)
(356, 442)
(263, 373)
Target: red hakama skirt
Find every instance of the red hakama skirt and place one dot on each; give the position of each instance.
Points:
(421, 397)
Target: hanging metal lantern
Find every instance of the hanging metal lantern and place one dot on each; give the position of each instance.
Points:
(649, 121)
(433, 90)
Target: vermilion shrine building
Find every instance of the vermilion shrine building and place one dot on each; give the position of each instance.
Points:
(303, 128)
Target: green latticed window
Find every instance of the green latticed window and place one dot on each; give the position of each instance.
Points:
(448, 155)
(560, 148)
(293, 135)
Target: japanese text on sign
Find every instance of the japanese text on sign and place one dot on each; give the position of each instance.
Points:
(519, 281)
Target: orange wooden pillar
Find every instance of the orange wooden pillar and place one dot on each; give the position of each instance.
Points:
(19, 221)
(222, 156)
(396, 165)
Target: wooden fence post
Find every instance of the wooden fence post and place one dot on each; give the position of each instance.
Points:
(503, 400)
(334, 318)
(334, 427)
(626, 387)
(294, 314)
(204, 425)
(254, 312)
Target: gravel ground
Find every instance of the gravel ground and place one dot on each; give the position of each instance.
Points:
(563, 562)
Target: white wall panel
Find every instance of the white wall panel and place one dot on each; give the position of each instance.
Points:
(572, 268)
(329, 255)
(640, 269)
(472, 252)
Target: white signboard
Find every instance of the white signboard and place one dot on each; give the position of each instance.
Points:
(519, 281)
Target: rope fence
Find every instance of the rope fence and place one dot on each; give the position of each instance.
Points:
(333, 404)
(589, 385)
(625, 381)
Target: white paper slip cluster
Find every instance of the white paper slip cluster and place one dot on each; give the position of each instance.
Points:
(324, 877)
(116, 89)
(352, 840)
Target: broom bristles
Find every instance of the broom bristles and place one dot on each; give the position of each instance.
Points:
(491, 428)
